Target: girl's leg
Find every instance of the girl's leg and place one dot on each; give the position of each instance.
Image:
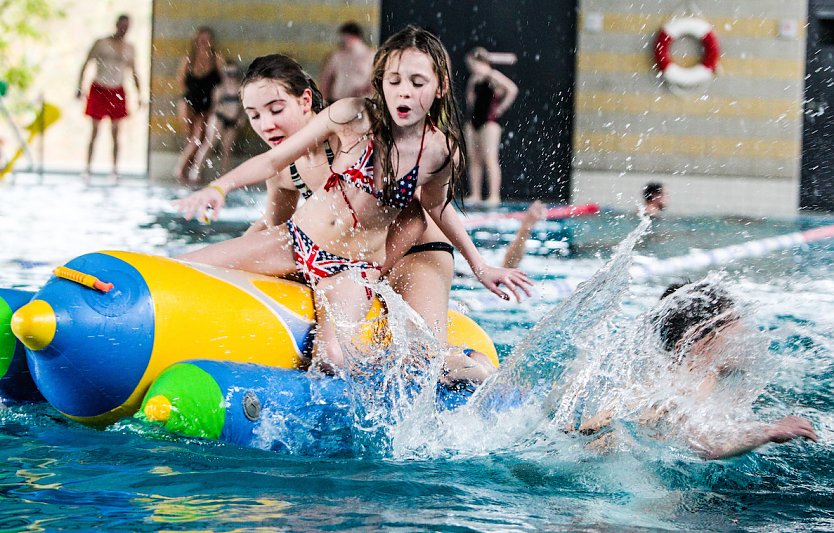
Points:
(213, 132)
(227, 143)
(267, 252)
(490, 142)
(475, 164)
(424, 281)
(346, 302)
(195, 138)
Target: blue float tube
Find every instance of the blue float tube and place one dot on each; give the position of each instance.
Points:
(262, 407)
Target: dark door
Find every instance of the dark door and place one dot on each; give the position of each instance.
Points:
(817, 183)
(536, 149)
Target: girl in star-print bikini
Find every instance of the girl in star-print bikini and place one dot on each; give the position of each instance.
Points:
(350, 216)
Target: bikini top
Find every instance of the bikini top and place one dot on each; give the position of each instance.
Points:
(361, 176)
(296, 177)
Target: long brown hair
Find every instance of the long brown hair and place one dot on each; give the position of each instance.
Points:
(443, 112)
(192, 51)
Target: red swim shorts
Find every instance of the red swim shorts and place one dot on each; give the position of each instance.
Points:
(106, 101)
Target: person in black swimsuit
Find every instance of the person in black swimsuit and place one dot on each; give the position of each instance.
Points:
(489, 94)
(198, 75)
(223, 123)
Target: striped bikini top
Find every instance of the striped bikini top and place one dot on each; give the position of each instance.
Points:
(296, 177)
(361, 176)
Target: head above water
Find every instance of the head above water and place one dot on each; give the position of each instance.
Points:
(423, 87)
(694, 308)
(278, 96)
(654, 195)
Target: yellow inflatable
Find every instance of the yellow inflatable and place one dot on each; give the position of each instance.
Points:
(98, 333)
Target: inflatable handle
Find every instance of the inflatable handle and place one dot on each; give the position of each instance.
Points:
(81, 278)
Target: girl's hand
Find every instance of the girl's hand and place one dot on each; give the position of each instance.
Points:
(513, 279)
(198, 204)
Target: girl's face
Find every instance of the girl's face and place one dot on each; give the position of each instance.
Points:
(204, 40)
(274, 113)
(409, 86)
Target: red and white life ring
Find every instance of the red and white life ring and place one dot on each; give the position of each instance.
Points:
(687, 76)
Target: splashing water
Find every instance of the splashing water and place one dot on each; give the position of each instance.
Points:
(583, 358)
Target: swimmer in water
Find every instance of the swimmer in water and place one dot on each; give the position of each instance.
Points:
(698, 324)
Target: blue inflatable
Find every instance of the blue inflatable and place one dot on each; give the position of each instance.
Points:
(262, 407)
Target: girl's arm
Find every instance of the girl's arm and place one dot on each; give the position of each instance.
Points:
(516, 250)
(508, 88)
(433, 198)
(469, 93)
(262, 167)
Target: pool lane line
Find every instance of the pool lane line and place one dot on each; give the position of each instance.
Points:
(553, 213)
(719, 256)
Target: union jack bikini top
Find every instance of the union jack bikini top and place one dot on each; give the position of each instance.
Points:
(361, 176)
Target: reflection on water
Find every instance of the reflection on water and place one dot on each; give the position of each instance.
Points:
(515, 469)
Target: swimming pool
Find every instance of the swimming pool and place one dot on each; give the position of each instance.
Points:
(449, 473)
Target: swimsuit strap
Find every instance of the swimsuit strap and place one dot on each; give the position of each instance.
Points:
(355, 174)
(298, 182)
(328, 150)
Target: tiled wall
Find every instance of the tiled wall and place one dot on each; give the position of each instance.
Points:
(245, 29)
(739, 135)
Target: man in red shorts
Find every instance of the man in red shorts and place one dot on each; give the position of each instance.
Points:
(112, 56)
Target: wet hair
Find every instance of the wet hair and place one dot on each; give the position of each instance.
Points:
(286, 71)
(351, 28)
(123, 16)
(443, 111)
(652, 190)
(192, 52)
(696, 304)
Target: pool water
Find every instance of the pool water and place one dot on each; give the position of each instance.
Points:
(457, 472)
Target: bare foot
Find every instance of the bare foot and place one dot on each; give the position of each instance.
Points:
(113, 178)
(86, 177)
(473, 200)
(493, 202)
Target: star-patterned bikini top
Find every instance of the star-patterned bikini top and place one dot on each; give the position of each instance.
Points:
(361, 176)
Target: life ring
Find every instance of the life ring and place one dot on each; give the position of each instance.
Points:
(687, 76)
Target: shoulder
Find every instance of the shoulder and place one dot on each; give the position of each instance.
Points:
(351, 112)
(436, 151)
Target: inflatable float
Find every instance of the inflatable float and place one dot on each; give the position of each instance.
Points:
(108, 323)
(16, 385)
(270, 408)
